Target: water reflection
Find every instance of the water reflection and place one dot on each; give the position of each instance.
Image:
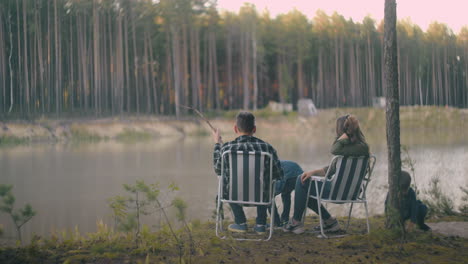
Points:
(69, 184)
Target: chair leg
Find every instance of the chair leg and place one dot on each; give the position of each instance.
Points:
(320, 217)
(349, 216)
(367, 218)
(219, 219)
(272, 218)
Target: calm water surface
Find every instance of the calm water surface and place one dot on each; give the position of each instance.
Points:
(69, 184)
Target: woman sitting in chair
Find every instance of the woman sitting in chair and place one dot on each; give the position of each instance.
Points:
(349, 142)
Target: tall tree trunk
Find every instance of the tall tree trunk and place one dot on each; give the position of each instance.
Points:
(176, 67)
(215, 71)
(96, 61)
(26, 64)
(229, 66)
(392, 110)
(127, 65)
(146, 69)
(136, 62)
(58, 67)
(2, 66)
(9, 62)
(254, 67)
(245, 68)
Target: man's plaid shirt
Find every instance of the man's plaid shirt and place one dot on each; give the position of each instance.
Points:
(245, 143)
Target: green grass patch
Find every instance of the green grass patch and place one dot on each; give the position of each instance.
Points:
(81, 134)
(130, 135)
(199, 132)
(7, 141)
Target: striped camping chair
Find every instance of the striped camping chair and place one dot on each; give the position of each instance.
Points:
(248, 183)
(347, 185)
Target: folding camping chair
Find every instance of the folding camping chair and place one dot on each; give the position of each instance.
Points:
(249, 183)
(348, 185)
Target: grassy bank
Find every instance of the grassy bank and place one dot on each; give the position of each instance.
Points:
(437, 122)
(108, 246)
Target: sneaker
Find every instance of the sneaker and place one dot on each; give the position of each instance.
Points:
(424, 227)
(260, 229)
(329, 225)
(238, 228)
(296, 229)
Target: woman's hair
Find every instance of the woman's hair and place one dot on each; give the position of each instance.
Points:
(350, 125)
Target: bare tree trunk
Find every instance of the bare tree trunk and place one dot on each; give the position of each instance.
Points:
(9, 63)
(215, 71)
(96, 62)
(245, 68)
(229, 66)
(20, 66)
(176, 67)
(136, 62)
(193, 66)
(254, 66)
(147, 77)
(337, 74)
(2, 66)
(25, 47)
(127, 64)
(154, 79)
(392, 109)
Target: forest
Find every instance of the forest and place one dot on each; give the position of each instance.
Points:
(113, 57)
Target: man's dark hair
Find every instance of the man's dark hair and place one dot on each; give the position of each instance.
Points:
(245, 122)
(405, 180)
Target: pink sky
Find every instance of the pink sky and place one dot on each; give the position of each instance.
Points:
(454, 13)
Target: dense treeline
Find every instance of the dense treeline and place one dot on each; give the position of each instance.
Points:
(106, 57)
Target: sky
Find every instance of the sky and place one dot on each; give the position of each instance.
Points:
(454, 13)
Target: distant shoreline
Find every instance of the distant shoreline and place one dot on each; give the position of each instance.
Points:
(133, 128)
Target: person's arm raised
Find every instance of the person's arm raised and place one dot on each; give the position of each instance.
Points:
(217, 151)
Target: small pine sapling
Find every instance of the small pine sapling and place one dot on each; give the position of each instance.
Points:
(19, 217)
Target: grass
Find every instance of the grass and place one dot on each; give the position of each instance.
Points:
(81, 134)
(10, 141)
(107, 245)
(130, 135)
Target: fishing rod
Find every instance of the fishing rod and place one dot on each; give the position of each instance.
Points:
(201, 115)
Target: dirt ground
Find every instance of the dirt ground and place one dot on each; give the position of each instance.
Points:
(450, 228)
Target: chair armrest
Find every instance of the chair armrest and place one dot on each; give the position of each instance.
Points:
(318, 178)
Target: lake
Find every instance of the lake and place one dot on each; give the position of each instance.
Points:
(69, 184)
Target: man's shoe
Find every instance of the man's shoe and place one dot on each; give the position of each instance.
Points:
(295, 228)
(260, 229)
(238, 228)
(329, 225)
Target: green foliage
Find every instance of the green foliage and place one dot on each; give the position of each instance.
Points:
(464, 206)
(81, 134)
(8, 141)
(180, 205)
(19, 217)
(130, 135)
(127, 209)
(438, 203)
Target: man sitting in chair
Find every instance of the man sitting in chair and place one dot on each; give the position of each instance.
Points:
(245, 128)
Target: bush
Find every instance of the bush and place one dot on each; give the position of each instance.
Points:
(464, 206)
(438, 203)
